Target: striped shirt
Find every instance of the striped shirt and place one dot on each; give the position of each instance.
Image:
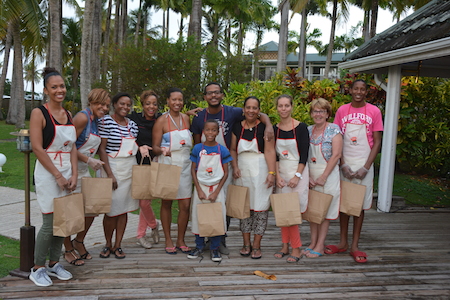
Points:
(114, 132)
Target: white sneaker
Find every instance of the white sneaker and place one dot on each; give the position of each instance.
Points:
(58, 271)
(40, 277)
(155, 234)
(144, 243)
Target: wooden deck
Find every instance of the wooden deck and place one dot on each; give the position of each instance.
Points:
(409, 258)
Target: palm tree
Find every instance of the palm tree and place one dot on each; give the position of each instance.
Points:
(8, 45)
(195, 21)
(72, 52)
(283, 7)
(54, 58)
(334, 17)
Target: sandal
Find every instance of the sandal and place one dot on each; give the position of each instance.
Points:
(292, 259)
(76, 261)
(106, 252)
(254, 253)
(246, 253)
(171, 250)
(184, 249)
(280, 254)
(121, 253)
(86, 254)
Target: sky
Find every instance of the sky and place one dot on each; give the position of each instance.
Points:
(324, 24)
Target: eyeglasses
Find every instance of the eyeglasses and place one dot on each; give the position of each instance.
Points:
(319, 112)
(213, 92)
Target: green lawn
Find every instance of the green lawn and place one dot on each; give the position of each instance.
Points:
(9, 255)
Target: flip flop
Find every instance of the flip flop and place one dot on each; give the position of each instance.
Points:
(254, 253)
(104, 251)
(86, 255)
(357, 254)
(333, 249)
(171, 250)
(245, 247)
(282, 254)
(121, 254)
(315, 253)
(295, 259)
(184, 249)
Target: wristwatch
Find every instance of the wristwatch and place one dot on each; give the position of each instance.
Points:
(299, 175)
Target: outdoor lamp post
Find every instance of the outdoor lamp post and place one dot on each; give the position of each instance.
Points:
(27, 232)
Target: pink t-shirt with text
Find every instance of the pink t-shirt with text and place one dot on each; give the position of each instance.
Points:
(369, 114)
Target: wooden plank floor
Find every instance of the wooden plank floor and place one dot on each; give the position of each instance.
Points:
(409, 258)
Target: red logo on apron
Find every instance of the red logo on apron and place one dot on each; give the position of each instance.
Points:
(182, 142)
(354, 141)
(285, 153)
(92, 150)
(209, 171)
(313, 159)
(66, 143)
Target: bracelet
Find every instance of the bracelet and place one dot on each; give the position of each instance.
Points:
(272, 173)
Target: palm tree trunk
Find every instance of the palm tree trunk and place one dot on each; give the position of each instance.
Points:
(302, 43)
(195, 21)
(124, 21)
(283, 39)
(16, 111)
(373, 18)
(331, 43)
(167, 25)
(86, 52)
(55, 20)
(6, 51)
(106, 41)
(366, 27)
(96, 41)
(138, 23)
(259, 35)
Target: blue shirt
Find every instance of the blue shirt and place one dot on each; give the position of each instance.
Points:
(92, 125)
(230, 115)
(224, 153)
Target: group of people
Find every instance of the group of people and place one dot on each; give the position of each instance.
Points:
(223, 144)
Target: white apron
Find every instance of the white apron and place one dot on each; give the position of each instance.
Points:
(180, 149)
(209, 173)
(254, 172)
(221, 140)
(289, 157)
(317, 164)
(355, 152)
(89, 148)
(59, 152)
(121, 164)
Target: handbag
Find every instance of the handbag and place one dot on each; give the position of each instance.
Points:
(352, 198)
(164, 181)
(318, 205)
(286, 208)
(210, 219)
(68, 215)
(238, 202)
(97, 195)
(140, 180)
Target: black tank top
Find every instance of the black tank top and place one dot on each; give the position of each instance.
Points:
(48, 132)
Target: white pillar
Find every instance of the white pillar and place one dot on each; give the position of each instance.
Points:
(387, 167)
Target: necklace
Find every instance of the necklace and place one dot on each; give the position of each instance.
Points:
(250, 128)
(314, 131)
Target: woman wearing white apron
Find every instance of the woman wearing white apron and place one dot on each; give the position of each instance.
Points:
(254, 167)
(324, 153)
(361, 124)
(172, 143)
(118, 150)
(209, 172)
(292, 146)
(88, 141)
(52, 137)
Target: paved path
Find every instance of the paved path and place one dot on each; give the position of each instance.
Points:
(12, 216)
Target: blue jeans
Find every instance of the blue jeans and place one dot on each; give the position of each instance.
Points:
(214, 240)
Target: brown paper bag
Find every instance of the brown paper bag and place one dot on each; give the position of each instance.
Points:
(164, 181)
(97, 195)
(352, 198)
(68, 215)
(286, 208)
(238, 202)
(140, 180)
(210, 219)
(318, 205)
